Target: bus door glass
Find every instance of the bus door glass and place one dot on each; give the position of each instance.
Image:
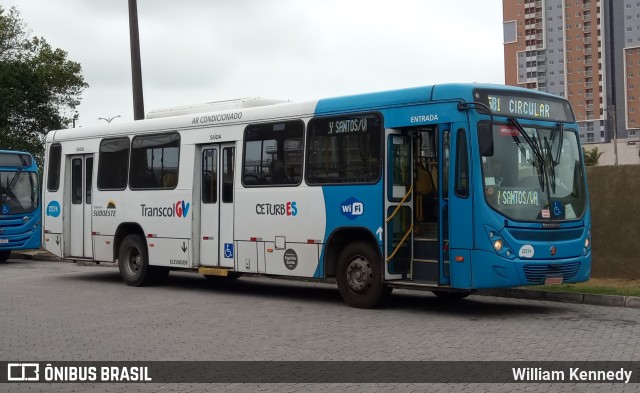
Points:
(426, 226)
(216, 208)
(398, 204)
(80, 241)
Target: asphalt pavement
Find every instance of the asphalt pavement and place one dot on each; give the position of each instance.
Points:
(516, 293)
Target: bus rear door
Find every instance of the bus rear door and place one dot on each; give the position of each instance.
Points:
(216, 206)
(80, 241)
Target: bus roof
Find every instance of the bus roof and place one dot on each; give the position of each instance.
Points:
(197, 116)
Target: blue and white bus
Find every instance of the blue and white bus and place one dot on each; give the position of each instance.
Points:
(20, 217)
(449, 188)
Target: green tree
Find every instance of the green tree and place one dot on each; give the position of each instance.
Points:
(39, 87)
(591, 157)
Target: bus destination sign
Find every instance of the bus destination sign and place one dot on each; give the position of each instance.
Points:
(527, 106)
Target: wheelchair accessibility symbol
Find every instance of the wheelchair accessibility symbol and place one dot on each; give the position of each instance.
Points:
(558, 209)
(228, 250)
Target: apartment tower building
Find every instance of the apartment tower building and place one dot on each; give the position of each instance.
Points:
(587, 51)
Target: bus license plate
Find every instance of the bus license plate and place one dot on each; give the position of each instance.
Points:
(553, 280)
(4, 241)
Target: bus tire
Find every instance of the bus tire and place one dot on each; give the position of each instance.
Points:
(359, 276)
(4, 255)
(450, 296)
(133, 262)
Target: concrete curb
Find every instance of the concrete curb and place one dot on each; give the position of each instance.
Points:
(516, 293)
(566, 297)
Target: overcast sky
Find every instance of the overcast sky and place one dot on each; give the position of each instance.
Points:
(196, 51)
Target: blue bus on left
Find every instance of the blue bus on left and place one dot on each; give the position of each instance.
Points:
(20, 216)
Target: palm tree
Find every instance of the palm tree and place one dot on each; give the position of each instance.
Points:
(591, 157)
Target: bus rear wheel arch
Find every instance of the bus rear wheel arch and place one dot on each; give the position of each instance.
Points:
(359, 276)
(133, 263)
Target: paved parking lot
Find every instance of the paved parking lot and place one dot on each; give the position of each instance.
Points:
(62, 311)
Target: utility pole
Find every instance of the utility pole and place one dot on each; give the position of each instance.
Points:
(136, 68)
(612, 111)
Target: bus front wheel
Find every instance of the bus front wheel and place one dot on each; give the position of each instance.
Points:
(4, 255)
(133, 262)
(359, 276)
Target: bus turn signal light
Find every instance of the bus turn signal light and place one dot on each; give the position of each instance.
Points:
(459, 258)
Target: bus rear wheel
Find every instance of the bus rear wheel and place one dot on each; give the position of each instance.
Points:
(133, 262)
(359, 276)
(4, 255)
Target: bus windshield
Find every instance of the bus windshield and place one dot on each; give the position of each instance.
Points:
(18, 192)
(532, 173)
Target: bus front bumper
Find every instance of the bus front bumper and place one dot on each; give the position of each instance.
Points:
(490, 270)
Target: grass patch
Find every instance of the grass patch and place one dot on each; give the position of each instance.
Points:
(599, 286)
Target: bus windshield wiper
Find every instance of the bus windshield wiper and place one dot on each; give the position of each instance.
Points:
(14, 180)
(554, 160)
(539, 159)
(551, 164)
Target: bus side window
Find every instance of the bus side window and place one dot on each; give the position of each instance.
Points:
(53, 177)
(113, 164)
(273, 154)
(344, 149)
(155, 161)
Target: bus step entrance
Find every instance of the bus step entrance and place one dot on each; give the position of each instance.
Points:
(213, 271)
(425, 267)
(425, 248)
(425, 271)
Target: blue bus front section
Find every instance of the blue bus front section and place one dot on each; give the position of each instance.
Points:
(531, 253)
(20, 231)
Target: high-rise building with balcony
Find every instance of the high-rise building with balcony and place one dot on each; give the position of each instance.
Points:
(587, 51)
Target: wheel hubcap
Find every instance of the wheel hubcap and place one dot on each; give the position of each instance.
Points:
(134, 260)
(359, 274)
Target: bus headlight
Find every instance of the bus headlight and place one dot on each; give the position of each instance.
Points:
(500, 246)
(587, 243)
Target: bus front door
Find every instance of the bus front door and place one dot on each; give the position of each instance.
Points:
(427, 189)
(80, 241)
(216, 206)
(398, 204)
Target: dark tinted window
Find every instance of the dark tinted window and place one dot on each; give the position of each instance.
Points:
(273, 154)
(53, 178)
(15, 159)
(462, 167)
(227, 174)
(209, 176)
(89, 177)
(76, 181)
(155, 162)
(344, 149)
(113, 164)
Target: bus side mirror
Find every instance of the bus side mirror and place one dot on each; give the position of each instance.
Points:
(485, 141)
